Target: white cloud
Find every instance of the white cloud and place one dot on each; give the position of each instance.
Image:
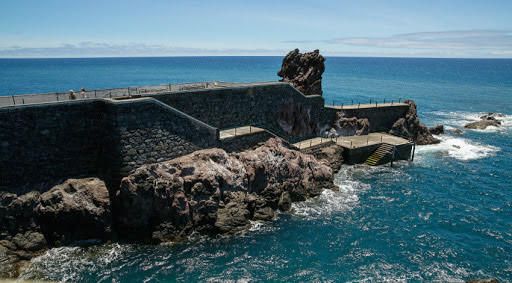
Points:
(99, 49)
(471, 43)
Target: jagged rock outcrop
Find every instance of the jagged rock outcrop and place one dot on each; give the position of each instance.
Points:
(350, 126)
(410, 127)
(76, 210)
(437, 130)
(295, 119)
(331, 155)
(211, 191)
(20, 235)
(490, 119)
(304, 71)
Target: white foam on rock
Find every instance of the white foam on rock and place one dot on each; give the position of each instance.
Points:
(329, 201)
(458, 148)
(457, 119)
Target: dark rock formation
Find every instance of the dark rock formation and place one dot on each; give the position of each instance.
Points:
(410, 127)
(352, 126)
(304, 71)
(295, 119)
(76, 210)
(331, 155)
(437, 130)
(485, 121)
(20, 236)
(212, 192)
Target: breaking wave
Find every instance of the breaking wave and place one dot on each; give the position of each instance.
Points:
(458, 148)
(345, 198)
(457, 119)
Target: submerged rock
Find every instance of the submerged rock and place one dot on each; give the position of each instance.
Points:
(304, 71)
(76, 210)
(410, 127)
(211, 191)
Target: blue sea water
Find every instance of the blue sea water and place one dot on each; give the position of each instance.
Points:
(447, 216)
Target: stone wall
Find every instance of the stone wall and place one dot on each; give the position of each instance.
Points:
(381, 118)
(262, 105)
(41, 145)
(150, 131)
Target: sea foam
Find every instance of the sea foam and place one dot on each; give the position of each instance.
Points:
(458, 148)
(329, 201)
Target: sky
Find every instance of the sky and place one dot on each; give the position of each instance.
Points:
(392, 28)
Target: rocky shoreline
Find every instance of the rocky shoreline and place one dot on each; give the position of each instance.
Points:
(208, 192)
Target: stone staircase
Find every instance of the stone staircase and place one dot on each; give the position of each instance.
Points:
(383, 154)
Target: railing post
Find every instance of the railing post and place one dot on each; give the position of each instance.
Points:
(13, 101)
(95, 93)
(399, 100)
(129, 92)
(110, 94)
(376, 104)
(370, 101)
(57, 95)
(235, 132)
(23, 100)
(342, 106)
(169, 87)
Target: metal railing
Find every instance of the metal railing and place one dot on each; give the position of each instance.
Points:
(105, 93)
(344, 104)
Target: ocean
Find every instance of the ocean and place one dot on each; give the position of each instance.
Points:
(447, 216)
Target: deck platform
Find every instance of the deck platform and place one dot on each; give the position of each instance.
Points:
(357, 149)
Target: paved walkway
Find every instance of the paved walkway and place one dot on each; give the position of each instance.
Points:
(240, 131)
(354, 141)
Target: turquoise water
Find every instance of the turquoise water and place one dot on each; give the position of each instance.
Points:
(447, 216)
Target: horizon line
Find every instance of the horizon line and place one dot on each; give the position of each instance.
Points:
(282, 56)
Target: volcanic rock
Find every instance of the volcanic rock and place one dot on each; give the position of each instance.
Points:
(304, 71)
(295, 119)
(352, 126)
(76, 210)
(411, 128)
(437, 130)
(211, 191)
(485, 121)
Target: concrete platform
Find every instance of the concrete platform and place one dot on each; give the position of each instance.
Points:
(352, 142)
(357, 149)
(240, 131)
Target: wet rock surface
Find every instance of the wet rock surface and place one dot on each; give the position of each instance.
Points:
(77, 210)
(437, 130)
(304, 71)
(488, 120)
(212, 192)
(411, 127)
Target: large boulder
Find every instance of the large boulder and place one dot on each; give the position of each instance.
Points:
(410, 127)
(304, 71)
(211, 191)
(76, 210)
